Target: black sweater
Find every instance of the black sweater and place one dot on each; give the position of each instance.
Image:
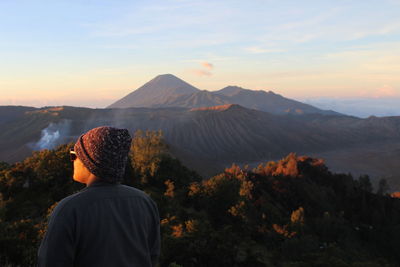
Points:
(102, 225)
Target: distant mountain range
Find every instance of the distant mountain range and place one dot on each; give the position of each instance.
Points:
(360, 107)
(169, 91)
(211, 138)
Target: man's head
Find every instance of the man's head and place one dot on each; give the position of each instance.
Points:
(103, 151)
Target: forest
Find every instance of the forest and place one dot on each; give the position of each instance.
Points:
(291, 212)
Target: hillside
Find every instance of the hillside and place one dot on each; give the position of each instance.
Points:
(10, 113)
(291, 212)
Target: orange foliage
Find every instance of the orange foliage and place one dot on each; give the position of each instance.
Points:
(170, 188)
(297, 216)
(177, 230)
(194, 189)
(287, 166)
(235, 171)
(237, 210)
(191, 226)
(312, 161)
(282, 230)
(245, 189)
(167, 220)
(212, 184)
(395, 195)
(41, 229)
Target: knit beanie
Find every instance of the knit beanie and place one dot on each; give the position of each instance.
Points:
(104, 152)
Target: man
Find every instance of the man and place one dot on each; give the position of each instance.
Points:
(106, 224)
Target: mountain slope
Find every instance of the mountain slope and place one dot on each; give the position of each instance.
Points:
(197, 99)
(154, 92)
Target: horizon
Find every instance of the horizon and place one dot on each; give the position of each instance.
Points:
(92, 54)
(361, 107)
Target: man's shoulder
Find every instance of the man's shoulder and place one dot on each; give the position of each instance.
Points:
(80, 201)
(69, 201)
(129, 190)
(91, 194)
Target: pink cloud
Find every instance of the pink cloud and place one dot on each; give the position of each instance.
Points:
(385, 91)
(382, 92)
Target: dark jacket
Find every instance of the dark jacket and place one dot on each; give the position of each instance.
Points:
(102, 225)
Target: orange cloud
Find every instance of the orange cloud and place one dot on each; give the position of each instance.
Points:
(203, 72)
(207, 65)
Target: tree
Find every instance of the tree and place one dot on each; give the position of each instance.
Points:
(383, 187)
(146, 152)
(4, 165)
(365, 183)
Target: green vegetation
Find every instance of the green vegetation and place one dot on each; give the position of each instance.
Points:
(293, 212)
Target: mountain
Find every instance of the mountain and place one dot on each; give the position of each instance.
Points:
(155, 92)
(170, 91)
(211, 138)
(268, 101)
(230, 90)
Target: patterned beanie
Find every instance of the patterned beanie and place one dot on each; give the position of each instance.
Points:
(104, 152)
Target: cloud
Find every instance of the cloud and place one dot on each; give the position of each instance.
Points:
(329, 26)
(210, 57)
(206, 71)
(385, 91)
(159, 20)
(201, 72)
(207, 65)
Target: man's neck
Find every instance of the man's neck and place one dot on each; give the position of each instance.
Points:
(91, 179)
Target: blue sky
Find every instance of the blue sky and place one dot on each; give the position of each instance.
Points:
(93, 52)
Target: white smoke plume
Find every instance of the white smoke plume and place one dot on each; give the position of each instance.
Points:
(53, 135)
(48, 139)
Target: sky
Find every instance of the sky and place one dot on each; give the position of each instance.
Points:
(93, 52)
